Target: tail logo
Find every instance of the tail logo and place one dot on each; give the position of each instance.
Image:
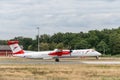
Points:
(15, 47)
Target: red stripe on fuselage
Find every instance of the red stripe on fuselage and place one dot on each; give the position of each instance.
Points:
(59, 53)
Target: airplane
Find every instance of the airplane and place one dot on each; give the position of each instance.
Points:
(56, 54)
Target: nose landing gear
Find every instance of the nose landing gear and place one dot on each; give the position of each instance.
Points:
(97, 57)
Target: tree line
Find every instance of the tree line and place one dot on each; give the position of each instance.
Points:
(106, 41)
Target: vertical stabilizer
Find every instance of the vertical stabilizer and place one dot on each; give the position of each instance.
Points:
(16, 49)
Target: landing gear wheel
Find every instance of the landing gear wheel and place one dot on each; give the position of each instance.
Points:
(57, 60)
(97, 57)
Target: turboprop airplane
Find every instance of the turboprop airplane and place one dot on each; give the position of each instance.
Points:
(56, 54)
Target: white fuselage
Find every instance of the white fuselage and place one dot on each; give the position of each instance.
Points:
(45, 54)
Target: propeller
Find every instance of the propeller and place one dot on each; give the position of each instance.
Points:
(71, 51)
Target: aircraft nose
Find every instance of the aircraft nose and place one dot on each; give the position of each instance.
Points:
(99, 54)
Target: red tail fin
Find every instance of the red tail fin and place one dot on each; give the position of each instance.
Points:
(16, 49)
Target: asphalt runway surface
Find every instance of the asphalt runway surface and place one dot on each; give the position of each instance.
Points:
(40, 61)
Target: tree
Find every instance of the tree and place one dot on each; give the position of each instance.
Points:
(83, 44)
(45, 38)
(114, 42)
(102, 47)
(33, 46)
(60, 46)
(52, 46)
(57, 38)
(44, 46)
(27, 42)
(93, 38)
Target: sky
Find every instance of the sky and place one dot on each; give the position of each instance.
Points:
(22, 17)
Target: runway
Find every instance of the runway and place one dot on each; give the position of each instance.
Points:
(101, 62)
(32, 61)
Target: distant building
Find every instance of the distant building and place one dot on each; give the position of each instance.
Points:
(6, 51)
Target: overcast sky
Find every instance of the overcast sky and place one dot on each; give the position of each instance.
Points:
(22, 17)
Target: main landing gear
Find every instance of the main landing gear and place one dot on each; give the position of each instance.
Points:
(57, 59)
